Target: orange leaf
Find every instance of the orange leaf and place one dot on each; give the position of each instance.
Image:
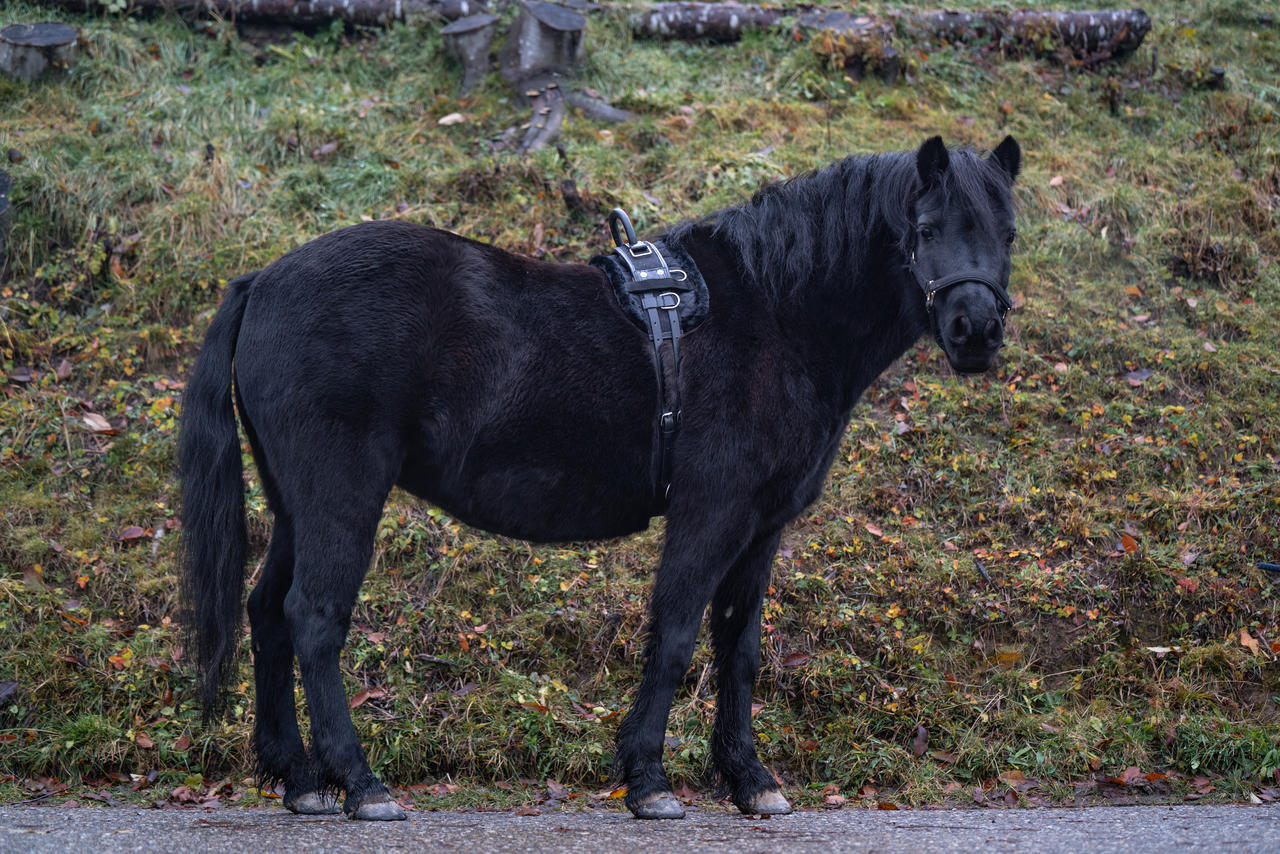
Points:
(874, 530)
(886, 805)
(1248, 641)
(1129, 544)
(366, 695)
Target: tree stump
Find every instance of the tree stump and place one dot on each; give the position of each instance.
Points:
(467, 40)
(545, 39)
(28, 51)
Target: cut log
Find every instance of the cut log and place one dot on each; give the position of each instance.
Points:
(29, 51)
(308, 12)
(1089, 36)
(717, 22)
(545, 39)
(468, 40)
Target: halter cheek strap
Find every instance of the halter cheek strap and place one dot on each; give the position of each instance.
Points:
(932, 287)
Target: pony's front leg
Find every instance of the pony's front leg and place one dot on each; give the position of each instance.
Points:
(699, 550)
(735, 634)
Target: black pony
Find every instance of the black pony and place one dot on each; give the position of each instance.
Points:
(515, 394)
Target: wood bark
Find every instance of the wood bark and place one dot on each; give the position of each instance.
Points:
(1089, 36)
(304, 12)
(29, 51)
(544, 39)
(467, 40)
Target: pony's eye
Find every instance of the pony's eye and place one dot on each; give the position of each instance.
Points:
(1013, 232)
(927, 232)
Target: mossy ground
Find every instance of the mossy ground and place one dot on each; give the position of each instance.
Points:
(1050, 568)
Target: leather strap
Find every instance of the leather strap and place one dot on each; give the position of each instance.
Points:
(658, 288)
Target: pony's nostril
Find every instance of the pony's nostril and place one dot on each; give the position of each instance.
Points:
(993, 331)
(960, 327)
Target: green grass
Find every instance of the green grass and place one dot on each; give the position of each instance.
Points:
(1124, 623)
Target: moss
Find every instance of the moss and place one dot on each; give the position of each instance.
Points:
(172, 160)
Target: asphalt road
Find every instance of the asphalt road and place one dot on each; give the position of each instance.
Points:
(1097, 830)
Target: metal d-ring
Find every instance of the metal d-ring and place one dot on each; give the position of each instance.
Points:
(663, 301)
(684, 277)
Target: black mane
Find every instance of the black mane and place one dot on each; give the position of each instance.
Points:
(817, 223)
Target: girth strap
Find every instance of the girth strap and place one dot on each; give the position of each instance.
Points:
(658, 288)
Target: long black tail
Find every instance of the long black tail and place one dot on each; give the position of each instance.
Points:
(213, 526)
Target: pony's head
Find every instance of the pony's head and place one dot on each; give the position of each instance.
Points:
(961, 219)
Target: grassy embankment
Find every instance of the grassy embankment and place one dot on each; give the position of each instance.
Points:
(1116, 477)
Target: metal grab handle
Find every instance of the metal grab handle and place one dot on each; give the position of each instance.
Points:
(617, 217)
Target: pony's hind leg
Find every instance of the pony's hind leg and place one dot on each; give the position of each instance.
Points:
(735, 635)
(333, 546)
(277, 741)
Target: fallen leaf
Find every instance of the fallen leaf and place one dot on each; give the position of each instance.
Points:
(364, 696)
(131, 533)
(886, 805)
(182, 743)
(527, 811)
(451, 119)
(144, 741)
(834, 801)
(97, 424)
(684, 792)
(795, 659)
(1138, 377)
(1128, 543)
(1129, 776)
(874, 530)
(556, 790)
(1249, 642)
(1057, 181)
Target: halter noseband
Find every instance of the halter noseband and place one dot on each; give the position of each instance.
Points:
(932, 287)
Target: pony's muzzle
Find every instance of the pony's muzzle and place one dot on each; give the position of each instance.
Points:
(972, 330)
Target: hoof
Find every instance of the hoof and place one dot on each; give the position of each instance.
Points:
(661, 805)
(382, 810)
(766, 803)
(312, 803)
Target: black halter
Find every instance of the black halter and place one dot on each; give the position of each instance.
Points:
(932, 287)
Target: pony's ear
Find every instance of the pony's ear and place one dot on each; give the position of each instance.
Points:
(932, 160)
(1009, 156)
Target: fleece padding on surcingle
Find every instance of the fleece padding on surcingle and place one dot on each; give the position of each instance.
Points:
(694, 304)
